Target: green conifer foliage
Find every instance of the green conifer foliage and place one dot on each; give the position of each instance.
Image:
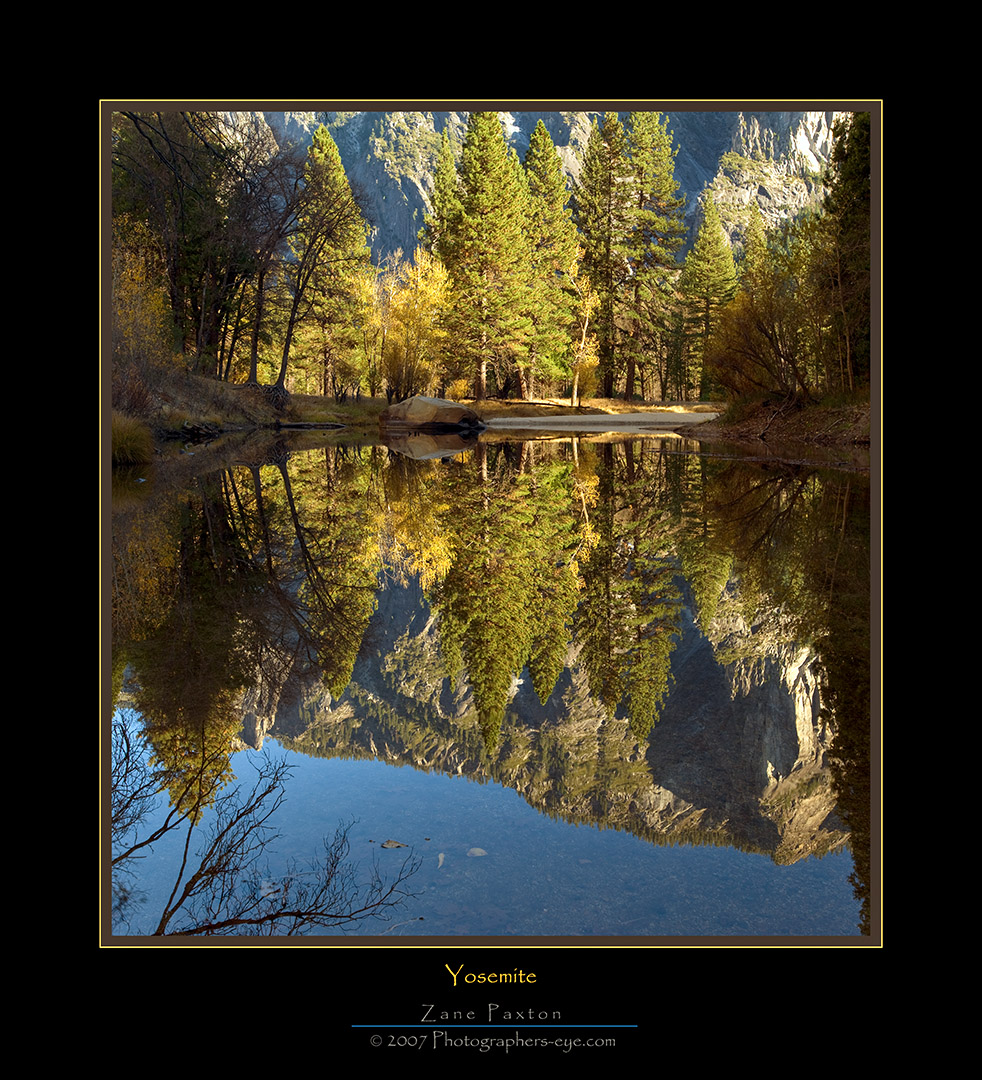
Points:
(486, 600)
(438, 231)
(604, 216)
(659, 228)
(657, 235)
(708, 282)
(848, 215)
(330, 247)
(554, 249)
(552, 540)
(629, 617)
(489, 261)
(754, 264)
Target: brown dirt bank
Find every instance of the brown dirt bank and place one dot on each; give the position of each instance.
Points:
(819, 425)
(833, 435)
(801, 431)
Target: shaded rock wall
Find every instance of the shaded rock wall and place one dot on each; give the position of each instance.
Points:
(775, 158)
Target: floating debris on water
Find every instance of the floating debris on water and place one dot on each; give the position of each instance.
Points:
(475, 851)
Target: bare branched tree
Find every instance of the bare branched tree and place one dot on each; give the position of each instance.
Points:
(227, 887)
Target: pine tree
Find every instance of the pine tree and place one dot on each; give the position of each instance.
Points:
(754, 261)
(519, 370)
(554, 249)
(488, 255)
(330, 246)
(438, 231)
(657, 234)
(848, 217)
(604, 216)
(659, 228)
(708, 282)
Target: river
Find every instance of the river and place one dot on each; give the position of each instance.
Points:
(599, 687)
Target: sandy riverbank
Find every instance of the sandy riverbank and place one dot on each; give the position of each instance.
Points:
(654, 420)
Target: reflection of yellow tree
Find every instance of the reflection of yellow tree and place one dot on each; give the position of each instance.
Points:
(192, 666)
(259, 573)
(415, 520)
(144, 578)
(144, 563)
(192, 750)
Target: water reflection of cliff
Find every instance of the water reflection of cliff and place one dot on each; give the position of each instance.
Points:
(626, 635)
(737, 758)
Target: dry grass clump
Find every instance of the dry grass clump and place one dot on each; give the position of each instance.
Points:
(132, 441)
(358, 413)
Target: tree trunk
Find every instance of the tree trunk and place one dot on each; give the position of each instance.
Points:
(254, 350)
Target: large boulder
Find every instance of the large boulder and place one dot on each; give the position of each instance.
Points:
(429, 414)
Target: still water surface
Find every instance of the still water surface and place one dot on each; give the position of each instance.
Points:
(596, 689)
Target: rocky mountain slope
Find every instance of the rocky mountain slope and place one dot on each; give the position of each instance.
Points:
(775, 158)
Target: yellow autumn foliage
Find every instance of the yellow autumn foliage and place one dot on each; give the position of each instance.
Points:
(141, 320)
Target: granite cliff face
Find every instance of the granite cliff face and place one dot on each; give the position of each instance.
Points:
(775, 158)
(738, 757)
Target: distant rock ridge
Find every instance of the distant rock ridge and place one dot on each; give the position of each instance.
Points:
(390, 159)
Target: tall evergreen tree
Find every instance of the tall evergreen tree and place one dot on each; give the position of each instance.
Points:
(438, 231)
(554, 249)
(330, 244)
(708, 282)
(604, 216)
(754, 261)
(659, 228)
(848, 216)
(489, 260)
(657, 234)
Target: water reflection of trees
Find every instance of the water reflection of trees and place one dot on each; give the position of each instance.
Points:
(646, 529)
(507, 598)
(532, 546)
(257, 576)
(628, 619)
(224, 883)
(266, 577)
